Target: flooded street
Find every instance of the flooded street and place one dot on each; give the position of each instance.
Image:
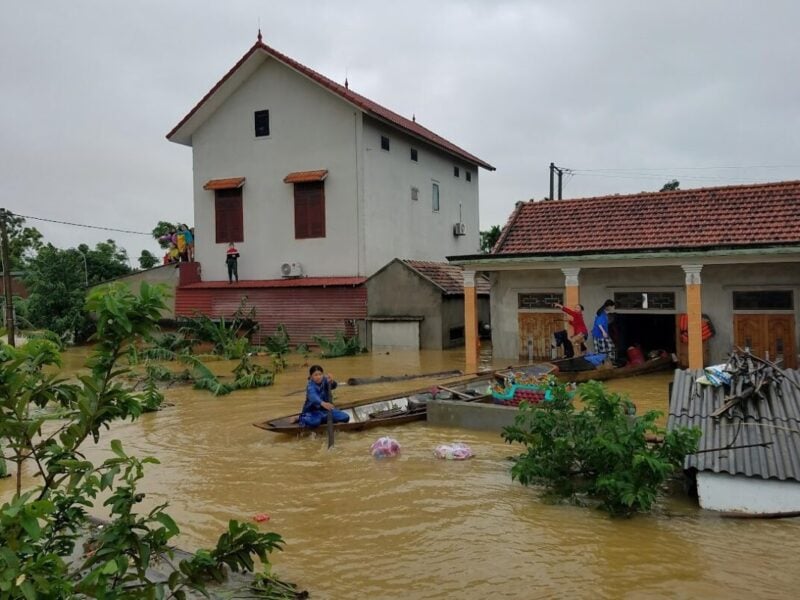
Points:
(416, 527)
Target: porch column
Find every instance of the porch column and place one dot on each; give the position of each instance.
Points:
(572, 290)
(470, 321)
(694, 311)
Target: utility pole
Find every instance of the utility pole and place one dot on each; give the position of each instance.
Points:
(7, 276)
(554, 169)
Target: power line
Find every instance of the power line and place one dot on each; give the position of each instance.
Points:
(84, 225)
(667, 169)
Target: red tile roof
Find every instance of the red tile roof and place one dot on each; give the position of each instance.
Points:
(224, 184)
(305, 176)
(450, 278)
(721, 217)
(368, 106)
(281, 283)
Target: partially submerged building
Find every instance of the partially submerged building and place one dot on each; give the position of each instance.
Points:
(731, 253)
(318, 187)
(748, 461)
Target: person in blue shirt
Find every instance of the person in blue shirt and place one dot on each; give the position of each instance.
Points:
(600, 333)
(318, 400)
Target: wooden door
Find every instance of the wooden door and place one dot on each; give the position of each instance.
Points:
(768, 336)
(538, 329)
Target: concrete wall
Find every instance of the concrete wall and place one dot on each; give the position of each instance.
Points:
(470, 415)
(166, 275)
(398, 291)
(310, 129)
(453, 316)
(396, 225)
(395, 334)
(719, 281)
(747, 495)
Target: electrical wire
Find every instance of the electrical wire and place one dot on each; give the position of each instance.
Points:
(82, 225)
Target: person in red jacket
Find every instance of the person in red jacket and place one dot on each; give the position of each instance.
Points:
(232, 260)
(579, 330)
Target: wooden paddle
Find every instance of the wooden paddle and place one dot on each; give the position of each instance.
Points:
(330, 416)
(454, 392)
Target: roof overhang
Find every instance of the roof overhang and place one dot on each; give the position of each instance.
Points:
(306, 176)
(230, 183)
(656, 258)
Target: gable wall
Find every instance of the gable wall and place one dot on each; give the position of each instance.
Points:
(309, 129)
(395, 225)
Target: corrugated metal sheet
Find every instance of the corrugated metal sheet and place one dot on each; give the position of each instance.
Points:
(305, 311)
(775, 422)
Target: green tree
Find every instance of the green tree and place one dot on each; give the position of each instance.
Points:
(162, 229)
(40, 528)
(57, 281)
(147, 260)
(23, 242)
(670, 186)
(489, 238)
(601, 451)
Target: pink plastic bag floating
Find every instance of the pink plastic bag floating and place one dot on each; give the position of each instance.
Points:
(454, 451)
(385, 446)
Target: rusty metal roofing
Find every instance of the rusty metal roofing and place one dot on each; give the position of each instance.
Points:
(775, 422)
(293, 282)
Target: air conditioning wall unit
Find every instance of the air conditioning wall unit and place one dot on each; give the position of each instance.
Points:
(292, 269)
(459, 229)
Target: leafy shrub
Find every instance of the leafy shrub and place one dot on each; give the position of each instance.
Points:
(601, 451)
(340, 345)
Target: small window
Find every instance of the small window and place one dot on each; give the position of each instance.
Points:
(414, 194)
(456, 172)
(468, 175)
(644, 300)
(414, 156)
(435, 197)
(543, 300)
(261, 119)
(763, 300)
(384, 142)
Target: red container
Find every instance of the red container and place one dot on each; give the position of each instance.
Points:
(635, 356)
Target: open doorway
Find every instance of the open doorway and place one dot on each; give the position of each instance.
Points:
(650, 331)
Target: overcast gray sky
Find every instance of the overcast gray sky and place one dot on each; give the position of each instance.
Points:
(627, 94)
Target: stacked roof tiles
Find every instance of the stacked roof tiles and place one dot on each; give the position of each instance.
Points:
(450, 278)
(755, 215)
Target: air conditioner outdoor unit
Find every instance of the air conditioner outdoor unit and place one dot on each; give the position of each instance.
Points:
(292, 270)
(459, 229)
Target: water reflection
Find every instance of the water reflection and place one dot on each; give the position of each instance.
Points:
(418, 527)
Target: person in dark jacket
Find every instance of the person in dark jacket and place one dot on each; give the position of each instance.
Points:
(232, 260)
(319, 400)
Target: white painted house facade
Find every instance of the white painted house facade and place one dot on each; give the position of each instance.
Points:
(318, 187)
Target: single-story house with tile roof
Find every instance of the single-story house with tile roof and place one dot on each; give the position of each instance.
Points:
(729, 255)
(749, 461)
(318, 187)
(420, 304)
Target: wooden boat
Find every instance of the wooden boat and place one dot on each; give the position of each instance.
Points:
(392, 409)
(578, 370)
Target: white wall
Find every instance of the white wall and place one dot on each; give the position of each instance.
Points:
(310, 129)
(748, 495)
(397, 226)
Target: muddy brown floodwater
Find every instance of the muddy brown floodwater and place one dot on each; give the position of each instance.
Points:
(415, 527)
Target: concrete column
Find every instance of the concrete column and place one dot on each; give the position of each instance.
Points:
(470, 321)
(694, 310)
(572, 290)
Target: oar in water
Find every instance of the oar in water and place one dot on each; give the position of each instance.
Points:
(330, 416)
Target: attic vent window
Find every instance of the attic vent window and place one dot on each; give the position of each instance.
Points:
(468, 175)
(261, 121)
(384, 143)
(414, 155)
(414, 194)
(456, 172)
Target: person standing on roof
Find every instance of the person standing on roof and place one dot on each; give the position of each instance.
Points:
(232, 261)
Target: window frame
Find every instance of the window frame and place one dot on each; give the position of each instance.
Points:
(309, 210)
(436, 197)
(386, 143)
(414, 155)
(229, 215)
(456, 171)
(256, 115)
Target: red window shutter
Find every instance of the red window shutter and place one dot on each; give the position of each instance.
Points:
(228, 216)
(309, 210)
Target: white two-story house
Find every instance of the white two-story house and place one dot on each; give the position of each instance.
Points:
(318, 187)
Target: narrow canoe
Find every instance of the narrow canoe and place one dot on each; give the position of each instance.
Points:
(392, 409)
(567, 373)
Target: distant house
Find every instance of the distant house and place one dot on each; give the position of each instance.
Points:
(749, 463)
(730, 253)
(420, 304)
(318, 187)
